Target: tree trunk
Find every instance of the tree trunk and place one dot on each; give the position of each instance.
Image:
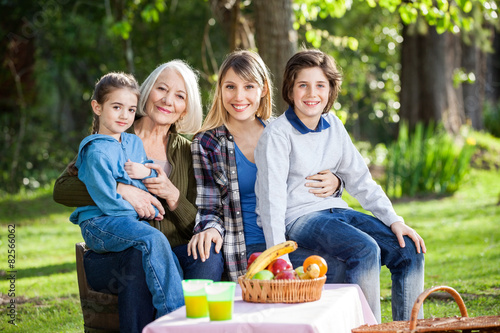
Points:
(492, 89)
(427, 92)
(472, 62)
(453, 116)
(432, 70)
(276, 40)
(238, 27)
(410, 80)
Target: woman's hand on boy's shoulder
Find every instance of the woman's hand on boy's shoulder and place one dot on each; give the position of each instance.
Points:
(400, 229)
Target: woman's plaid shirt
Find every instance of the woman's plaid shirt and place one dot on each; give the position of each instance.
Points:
(218, 195)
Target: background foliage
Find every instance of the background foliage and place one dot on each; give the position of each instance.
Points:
(428, 162)
(54, 51)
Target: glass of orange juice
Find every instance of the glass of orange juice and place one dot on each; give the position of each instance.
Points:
(195, 297)
(220, 297)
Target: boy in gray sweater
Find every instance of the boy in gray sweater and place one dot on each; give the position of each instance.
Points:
(308, 138)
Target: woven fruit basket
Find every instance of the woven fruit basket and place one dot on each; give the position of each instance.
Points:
(453, 324)
(281, 291)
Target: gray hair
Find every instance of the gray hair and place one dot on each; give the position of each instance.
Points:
(191, 123)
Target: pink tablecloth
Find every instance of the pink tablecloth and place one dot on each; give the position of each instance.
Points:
(341, 308)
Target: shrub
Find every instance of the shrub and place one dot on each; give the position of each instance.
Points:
(491, 116)
(429, 161)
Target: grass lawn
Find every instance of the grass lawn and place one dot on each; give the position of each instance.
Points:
(461, 232)
(46, 289)
(462, 237)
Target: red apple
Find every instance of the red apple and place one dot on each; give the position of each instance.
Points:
(279, 265)
(288, 274)
(270, 266)
(252, 257)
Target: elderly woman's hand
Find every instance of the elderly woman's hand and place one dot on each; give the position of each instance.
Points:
(142, 201)
(162, 187)
(324, 185)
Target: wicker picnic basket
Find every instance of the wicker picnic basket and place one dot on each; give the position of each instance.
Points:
(281, 291)
(452, 324)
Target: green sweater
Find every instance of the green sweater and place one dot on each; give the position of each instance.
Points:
(177, 225)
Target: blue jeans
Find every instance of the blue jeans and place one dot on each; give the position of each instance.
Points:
(211, 269)
(121, 273)
(161, 267)
(364, 243)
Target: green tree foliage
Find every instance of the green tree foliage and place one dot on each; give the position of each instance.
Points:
(365, 37)
(53, 52)
(365, 44)
(58, 49)
(492, 118)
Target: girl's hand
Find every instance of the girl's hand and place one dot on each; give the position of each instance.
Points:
(142, 201)
(202, 242)
(326, 183)
(136, 170)
(400, 229)
(162, 187)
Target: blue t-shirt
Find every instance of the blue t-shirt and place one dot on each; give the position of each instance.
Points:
(247, 174)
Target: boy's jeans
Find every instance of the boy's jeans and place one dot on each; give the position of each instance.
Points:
(363, 243)
(163, 274)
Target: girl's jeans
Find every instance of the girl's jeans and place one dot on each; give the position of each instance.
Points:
(363, 243)
(161, 267)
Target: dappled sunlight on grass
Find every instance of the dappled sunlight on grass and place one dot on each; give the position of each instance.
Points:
(27, 208)
(461, 234)
(463, 245)
(64, 284)
(57, 314)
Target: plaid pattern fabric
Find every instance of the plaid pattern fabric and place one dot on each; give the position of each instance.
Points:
(218, 196)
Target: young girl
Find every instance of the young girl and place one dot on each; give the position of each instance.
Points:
(223, 158)
(308, 138)
(110, 156)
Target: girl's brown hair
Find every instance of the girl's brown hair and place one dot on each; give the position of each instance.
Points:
(104, 86)
(307, 59)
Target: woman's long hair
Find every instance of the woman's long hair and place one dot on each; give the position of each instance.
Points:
(250, 67)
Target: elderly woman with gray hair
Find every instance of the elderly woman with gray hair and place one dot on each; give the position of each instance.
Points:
(170, 104)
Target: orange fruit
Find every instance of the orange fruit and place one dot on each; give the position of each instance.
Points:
(318, 260)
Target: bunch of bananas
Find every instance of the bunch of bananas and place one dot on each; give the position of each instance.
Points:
(268, 256)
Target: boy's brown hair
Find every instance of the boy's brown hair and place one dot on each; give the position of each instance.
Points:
(307, 59)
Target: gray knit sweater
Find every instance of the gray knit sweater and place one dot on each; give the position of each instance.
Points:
(285, 157)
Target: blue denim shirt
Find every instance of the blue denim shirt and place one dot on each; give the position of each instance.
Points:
(101, 165)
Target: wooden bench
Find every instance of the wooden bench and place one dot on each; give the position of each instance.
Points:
(100, 310)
